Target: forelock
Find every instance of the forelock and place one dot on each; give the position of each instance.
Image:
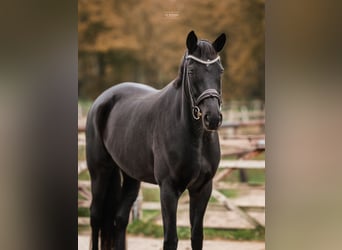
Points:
(206, 50)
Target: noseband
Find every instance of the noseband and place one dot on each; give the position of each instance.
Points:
(208, 93)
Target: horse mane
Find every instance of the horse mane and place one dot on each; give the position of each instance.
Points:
(204, 50)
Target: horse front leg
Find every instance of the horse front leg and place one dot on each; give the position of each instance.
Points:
(169, 196)
(198, 204)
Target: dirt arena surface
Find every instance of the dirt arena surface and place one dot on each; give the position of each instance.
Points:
(143, 243)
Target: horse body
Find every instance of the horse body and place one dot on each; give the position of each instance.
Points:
(156, 137)
(136, 133)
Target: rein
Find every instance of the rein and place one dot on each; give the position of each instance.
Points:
(208, 93)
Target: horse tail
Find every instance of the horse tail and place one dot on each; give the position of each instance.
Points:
(105, 178)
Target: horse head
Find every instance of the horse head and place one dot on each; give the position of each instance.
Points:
(202, 79)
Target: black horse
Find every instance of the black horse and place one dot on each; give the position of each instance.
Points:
(167, 137)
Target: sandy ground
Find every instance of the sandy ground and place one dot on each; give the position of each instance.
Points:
(143, 243)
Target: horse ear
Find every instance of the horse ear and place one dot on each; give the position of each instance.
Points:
(219, 42)
(191, 42)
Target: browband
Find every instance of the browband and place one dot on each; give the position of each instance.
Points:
(208, 62)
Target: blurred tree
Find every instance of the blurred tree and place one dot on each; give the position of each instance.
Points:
(144, 41)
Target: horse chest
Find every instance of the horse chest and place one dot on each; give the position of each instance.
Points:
(184, 156)
(186, 164)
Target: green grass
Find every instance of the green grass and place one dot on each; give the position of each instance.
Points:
(257, 234)
(84, 229)
(213, 200)
(229, 193)
(83, 212)
(81, 153)
(151, 194)
(84, 176)
(145, 229)
(255, 176)
(149, 215)
(151, 230)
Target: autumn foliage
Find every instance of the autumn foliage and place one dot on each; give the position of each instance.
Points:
(144, 41)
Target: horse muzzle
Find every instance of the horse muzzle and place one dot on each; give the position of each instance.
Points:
(212, 121)
(210, 102)
(211, 114)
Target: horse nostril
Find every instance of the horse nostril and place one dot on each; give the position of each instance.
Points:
(220, 119)
(206, 118)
